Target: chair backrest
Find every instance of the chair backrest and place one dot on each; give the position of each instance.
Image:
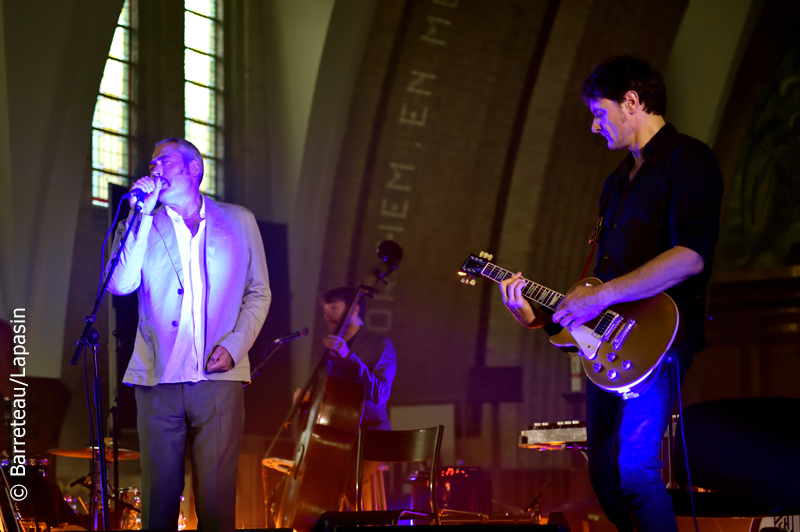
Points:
(745, 444)
(400, 446)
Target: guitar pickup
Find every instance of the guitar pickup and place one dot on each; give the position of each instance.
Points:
(612, 327)
(623, 334)
(606, 325)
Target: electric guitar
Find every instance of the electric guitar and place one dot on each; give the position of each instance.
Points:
(621, 349)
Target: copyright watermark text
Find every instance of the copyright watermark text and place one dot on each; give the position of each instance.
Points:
(18, 430)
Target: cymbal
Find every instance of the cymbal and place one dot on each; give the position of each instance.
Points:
(89, 452)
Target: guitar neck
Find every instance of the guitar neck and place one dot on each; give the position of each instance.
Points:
(532, 291)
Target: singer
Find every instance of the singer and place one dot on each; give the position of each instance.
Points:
(203, 287)
(360, 355)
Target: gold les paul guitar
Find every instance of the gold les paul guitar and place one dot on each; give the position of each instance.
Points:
(621, 349)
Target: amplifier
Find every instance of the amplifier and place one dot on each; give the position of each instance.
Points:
(457, 488)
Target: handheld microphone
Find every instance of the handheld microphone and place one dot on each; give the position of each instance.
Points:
(139, 194)
(289, 337)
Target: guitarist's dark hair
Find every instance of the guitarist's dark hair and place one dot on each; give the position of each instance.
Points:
(343, 293)
(612, 78)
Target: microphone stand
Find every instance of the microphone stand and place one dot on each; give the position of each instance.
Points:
(277, 344)
(316, 377)
(115, 456)
(534, 508)
(90, 338)
(296, 404)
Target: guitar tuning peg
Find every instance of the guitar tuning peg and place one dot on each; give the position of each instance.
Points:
(482, 254)
(472, 282)
(489, 256)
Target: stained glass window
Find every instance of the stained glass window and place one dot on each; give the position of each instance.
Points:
(112, 130)
(203, 87)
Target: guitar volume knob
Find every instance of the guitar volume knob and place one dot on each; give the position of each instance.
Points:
(627, 364)
(612, 374)
(597, 367)
(611, 356)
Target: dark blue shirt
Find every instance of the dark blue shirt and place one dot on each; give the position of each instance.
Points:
(674, 200)
(373, 362)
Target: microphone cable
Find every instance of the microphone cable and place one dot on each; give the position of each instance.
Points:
(683, 438)
(105, 241)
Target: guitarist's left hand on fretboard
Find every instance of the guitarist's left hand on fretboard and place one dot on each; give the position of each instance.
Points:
(621, 346)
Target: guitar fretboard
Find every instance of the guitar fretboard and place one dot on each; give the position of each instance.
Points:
(533, 291)
(547, 297)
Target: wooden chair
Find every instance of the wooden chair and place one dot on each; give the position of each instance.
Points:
(393, 446)
(747, 452)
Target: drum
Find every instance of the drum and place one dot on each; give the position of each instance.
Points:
(35, 469)
(131, 503)
(37, 505)
(31, 525)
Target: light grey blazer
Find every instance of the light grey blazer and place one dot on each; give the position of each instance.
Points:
(236, 280)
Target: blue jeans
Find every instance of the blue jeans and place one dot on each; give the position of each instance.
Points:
(624, 440)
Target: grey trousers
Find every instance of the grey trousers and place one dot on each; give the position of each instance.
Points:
(210, 415)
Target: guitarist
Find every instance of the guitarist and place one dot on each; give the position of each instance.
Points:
(365, 356)
(660, 220)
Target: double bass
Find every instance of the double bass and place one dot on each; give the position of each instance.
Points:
(316, 481)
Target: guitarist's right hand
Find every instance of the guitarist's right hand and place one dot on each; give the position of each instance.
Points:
(511, 291)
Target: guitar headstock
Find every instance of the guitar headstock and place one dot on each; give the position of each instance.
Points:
(473, 267)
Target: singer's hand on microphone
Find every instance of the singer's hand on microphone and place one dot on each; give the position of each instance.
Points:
(151, 186)
(337, 346)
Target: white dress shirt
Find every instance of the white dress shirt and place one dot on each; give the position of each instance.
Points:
(188, 356)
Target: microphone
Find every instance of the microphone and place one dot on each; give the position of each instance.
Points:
(277, 342)
(139, 194)
(289, 337)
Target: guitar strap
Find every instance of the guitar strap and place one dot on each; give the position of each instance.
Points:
(593, 238)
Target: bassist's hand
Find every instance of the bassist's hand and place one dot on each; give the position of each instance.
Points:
(515, 302)
(337, 346)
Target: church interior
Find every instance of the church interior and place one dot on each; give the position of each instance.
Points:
(450, 127)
